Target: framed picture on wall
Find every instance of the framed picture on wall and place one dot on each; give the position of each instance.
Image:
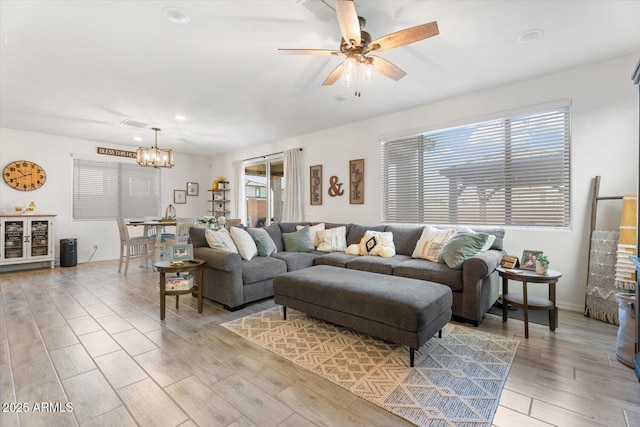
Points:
(179, 197)
(192, 188)
(356, 182)
(315, 184)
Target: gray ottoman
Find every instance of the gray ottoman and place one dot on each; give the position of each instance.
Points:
(398, 309)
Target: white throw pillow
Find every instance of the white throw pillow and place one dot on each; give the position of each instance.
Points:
(353, 249)
(313, 230)
(220, 239)
(244, 242)
(431, 242)
(333, 239)
(378, 243)
(490, 240)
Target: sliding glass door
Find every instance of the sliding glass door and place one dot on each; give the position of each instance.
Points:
(264, 191)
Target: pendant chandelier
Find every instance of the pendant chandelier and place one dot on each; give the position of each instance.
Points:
(154, 156)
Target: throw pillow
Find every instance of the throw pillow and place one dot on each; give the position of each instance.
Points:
(333, 239)
(461, 247)
(264, 242)
(313, 232)
(220, 239)
(377, 243)
(431, 242)
(353, 249)
(244, 242)
(298, 241)
(487, 245)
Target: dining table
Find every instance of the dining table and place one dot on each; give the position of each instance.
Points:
(158, 224)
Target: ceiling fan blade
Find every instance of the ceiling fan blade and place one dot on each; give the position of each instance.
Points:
(405, 37)
(309, 51)
(348, 21)
(386, 68)
(334, 76)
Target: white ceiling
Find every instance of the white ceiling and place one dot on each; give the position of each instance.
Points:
(79, 68)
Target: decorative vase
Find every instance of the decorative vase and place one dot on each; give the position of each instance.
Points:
(541, 268)
(221, 186)
(214, 185)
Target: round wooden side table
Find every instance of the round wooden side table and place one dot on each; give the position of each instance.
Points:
(192, 267)
(525, 301)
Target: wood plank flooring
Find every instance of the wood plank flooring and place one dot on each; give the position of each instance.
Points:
(91, 338)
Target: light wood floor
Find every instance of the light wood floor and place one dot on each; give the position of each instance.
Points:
(92, 337)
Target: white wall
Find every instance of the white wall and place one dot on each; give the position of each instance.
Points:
(54, 154)
(604, 142)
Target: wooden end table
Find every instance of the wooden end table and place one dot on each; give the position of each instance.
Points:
(192, 267)
(525, 301)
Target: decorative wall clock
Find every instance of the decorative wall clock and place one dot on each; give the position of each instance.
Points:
(24, 175)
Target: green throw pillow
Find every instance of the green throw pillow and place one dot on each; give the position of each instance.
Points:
(299, 241)
(264, 242)
(460, 247)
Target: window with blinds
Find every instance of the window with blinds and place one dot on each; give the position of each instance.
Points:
(107, 190)
(511, 171)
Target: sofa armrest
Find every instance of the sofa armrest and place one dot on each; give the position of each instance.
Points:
(481, 265)
(219, 259)
(479, 285)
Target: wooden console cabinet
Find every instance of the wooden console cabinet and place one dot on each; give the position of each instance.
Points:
(27, 239)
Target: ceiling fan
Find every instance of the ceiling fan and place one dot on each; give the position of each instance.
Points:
(357, 46)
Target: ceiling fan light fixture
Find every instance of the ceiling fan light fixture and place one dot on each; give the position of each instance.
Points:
(350, 70)
(154, 156)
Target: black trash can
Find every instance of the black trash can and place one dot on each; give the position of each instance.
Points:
(68, 252)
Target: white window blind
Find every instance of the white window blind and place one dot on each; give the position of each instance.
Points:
(107, 190)
(510, 171)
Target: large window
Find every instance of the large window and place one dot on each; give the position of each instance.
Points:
(107, 190)
(264, 191)
(510, 171)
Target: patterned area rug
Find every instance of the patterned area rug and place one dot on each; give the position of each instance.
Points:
(457, 380)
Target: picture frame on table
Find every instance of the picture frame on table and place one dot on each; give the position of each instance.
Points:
(181, 253)
(193, 188)
(529, 259)
(179, 197)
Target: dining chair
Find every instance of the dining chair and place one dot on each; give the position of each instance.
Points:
(133, 247)
(182, 231)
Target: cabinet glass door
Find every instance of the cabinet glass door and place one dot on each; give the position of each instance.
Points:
(14, 239)
(39, 238)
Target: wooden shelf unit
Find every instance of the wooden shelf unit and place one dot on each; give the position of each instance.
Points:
(219, 202)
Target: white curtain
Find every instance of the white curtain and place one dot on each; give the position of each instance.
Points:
(239, 204)
(292, 211)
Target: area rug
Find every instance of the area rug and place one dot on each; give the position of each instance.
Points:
(457, 379)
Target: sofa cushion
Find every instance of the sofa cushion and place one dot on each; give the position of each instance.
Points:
(298, 241)
(313, 232)
(460, 247)
(276, 235)
(196, 236)
(220, 239)
(333, 239)
(290, 227)
(430, 271)
(262, 268)
(297, 260)
(431, 242)
(405, 238)
(336, 259)
(356, 232)
(264, 242)
(375, 264)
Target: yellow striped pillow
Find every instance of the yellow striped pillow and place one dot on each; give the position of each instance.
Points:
(431, 242)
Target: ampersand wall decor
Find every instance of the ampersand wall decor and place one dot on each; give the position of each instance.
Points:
(335, 187)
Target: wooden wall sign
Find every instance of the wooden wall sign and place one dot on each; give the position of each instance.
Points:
(356, 182)
(117, 153)
(315, 184)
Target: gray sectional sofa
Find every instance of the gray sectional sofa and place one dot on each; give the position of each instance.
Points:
(234, 282)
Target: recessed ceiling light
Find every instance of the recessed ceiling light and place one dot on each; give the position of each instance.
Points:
(179, 117)
(137, 138)
(176, 16)
(531, 35)
(339, 98)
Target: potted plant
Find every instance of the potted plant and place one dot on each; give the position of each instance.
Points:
(542, 264)
(208, 221)
(222, 182)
